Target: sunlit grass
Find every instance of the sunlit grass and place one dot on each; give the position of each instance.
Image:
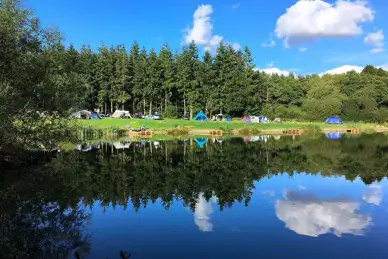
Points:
(224, 125)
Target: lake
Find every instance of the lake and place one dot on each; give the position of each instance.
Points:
(255, 197)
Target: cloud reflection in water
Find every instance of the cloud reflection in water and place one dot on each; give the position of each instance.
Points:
(307, 214)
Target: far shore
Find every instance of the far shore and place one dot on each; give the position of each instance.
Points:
(236, 127)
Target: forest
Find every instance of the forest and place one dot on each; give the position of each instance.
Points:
(41, 77)
(183, 82)
(39, 72)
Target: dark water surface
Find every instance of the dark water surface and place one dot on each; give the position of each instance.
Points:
(258, 197)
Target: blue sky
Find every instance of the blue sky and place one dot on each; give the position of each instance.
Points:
(299, 36)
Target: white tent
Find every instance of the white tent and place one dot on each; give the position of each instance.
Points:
(122, 144)
(121, 113)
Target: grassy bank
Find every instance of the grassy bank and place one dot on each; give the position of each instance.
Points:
(169, 124)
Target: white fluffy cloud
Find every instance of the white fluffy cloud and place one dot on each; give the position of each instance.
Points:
(373, 195)
(385, 67)
(201, 31)
(342, 70)
(308, 20)
(271, 70)
(270, 44)
(375, 39)
(203, 210)
(347, 68)
(308, 215)
(275, 71)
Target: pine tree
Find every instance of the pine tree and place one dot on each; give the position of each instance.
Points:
(104, 72)
(207, 78)
(140, 78)
(121, 88)
(87, 70)
(132, 60)
(168, 73)
(154, 83)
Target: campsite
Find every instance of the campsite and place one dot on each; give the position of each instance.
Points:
(185, 130)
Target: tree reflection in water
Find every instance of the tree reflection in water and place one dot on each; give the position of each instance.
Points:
(43, 206)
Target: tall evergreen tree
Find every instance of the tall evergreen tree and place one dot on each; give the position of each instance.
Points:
(168, 76)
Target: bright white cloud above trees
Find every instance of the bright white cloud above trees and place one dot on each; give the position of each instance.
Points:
(376, 40)
(201, 31)
(308, 20)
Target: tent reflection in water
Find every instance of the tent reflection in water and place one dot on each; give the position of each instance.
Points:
(334, 120)
(201, 116)
(334, 135)
(201, 141)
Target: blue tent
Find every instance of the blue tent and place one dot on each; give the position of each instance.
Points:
(334, 135)
(334, 120)
(229, 118)
(94, 116)
(201, 141)
(200, 116)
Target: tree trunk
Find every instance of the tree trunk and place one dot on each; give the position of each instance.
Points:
(133, 106)
(123, 106)
(144, 106)
(184, 106)
(106, 108)
(111, 106)
(191, 112)
(165, 100)
(150, 107)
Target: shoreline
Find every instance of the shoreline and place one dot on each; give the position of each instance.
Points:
(125, 127)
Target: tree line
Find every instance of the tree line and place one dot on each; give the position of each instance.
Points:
(37, 71)
(182, 82)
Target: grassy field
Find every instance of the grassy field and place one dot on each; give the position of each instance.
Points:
(202, 125)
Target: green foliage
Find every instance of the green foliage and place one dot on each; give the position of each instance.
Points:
(39, 81)
(38, 73)
(170, 112)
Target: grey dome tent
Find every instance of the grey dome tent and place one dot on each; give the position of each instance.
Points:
(201, 116)
(84, 114)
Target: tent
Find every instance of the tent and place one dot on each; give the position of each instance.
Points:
(200, 116)
(121, 114)
(255, 119)
(246, 118)
(201, 142)
(334, 135)
(228, 118)
(263, 119)
(94, 116)
(84, 114)
(121, 144)
(334, 120)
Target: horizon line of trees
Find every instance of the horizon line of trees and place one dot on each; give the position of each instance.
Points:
(39, 73)
(182, 82)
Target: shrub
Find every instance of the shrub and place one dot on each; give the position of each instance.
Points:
(170, 112)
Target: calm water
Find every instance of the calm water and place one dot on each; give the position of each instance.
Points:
(258, 197)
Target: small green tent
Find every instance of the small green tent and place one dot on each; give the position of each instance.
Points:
(200, 116)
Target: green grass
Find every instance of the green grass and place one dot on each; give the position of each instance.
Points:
(171, 124)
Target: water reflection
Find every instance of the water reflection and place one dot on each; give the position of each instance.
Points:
(309, 215)
(373, 194)
(203, 210)
(145, 187)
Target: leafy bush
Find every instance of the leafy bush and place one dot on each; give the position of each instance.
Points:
(170, 112)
